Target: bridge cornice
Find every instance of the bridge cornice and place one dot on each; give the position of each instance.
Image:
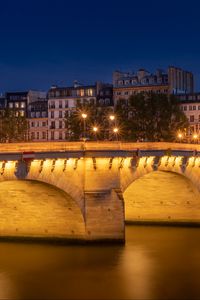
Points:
(98, 147)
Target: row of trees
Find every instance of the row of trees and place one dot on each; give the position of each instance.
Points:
(144, 117)
(13, 127)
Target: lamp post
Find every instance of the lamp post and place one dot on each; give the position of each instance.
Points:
(111, 118)
(180, 136)
(195, 138)
(116, 130)
(84, 116)
(95, 130)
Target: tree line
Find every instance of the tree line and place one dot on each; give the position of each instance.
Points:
(13, 127)
(143, 117)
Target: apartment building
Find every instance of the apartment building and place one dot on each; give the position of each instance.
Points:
(21, 100)
(190, 105)
(174, 81)
(38, 120)
(61, 101)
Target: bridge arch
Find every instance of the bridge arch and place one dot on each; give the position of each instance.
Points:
(61, 173)
(30, 208)
(162, 196)
(145, 165)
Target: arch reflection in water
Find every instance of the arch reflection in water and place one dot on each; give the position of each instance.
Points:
(35, 209)
(162, 196)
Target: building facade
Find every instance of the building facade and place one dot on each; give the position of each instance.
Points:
(174, 81)
(190, 105)
(63, 100)
(38, 120)
(21, 100)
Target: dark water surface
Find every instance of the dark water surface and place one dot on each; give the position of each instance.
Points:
(155, 263)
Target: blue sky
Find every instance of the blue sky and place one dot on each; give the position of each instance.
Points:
(55, 42)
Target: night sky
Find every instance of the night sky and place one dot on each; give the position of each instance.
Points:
(55, 42)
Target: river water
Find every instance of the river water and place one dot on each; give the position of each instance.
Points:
(155, 263)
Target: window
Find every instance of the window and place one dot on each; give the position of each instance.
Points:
(60, 104)
(190, 107)
(52, 135)
(52, 104)
(43, 135)
(22, 104)
(22, 113)
(66, 104)
(125, 93)
(43, 124)
(199, 118)
(60, 135)
(191, 118)
(32, 135)
(52, 114)
(185, 107)
(38, 135)
(53, 125)
(10, 105)
(194, 107)
(32, 124)
(90, 92)
(60, 124)
(17, 104)
(60, 114)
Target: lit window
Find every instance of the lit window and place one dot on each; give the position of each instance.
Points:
(10, 105)
(16, 104)
(22, 104)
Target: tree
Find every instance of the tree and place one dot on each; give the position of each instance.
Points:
(13, 127)
(96, 116)
(152, 117)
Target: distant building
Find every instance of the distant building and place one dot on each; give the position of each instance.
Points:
(61, 101)
(2, 103)
(190, 105)
(38, 120)
(21, 100)
(174, 81)
(104, 97)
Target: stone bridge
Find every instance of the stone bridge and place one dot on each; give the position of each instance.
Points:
(86, 191)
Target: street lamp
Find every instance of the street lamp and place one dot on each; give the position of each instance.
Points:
(195, 137)
(180, 136)
(116, 130)
(95, 130)
(112, 117)
(84, 116)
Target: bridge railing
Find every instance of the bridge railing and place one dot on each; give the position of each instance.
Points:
(92, 146)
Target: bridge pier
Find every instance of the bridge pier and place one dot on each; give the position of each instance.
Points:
(104, 216)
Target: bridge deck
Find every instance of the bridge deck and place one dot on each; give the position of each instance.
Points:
(91, 146)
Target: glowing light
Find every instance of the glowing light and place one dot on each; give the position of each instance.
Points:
(112, 117)
(84, 116)
(115, 130)
(195, 136)
(95, 129)
(180, 135)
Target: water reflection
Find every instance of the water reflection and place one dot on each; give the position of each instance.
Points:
(155, 263)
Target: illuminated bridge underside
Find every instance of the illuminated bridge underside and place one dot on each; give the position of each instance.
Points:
(162, 196)
(34, 209)
(104, 186)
